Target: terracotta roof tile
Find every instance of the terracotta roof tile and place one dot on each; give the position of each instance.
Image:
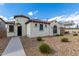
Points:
(38, 21)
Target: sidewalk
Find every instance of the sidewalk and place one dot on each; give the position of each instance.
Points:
(14, 48)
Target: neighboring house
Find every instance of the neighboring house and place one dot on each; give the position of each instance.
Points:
(72, 30)
(3, 32)
(24, 26)
(2, 24)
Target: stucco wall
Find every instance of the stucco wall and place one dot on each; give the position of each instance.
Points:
(28, 27)
(34, 31)
(10, 33)
(51, 28)
(31, 30)
(22, 21)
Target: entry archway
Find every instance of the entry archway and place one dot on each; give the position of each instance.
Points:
(19, 29)
(54, 29)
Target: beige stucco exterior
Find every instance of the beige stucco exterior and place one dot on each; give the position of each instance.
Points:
(10, 33)
(21, 21)
(33, 31)
(30, 30)
(51, 28)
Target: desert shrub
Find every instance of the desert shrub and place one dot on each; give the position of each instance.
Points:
(45, 48)
(64, 40)
(75, 34)
(39, 39)
(57, 35)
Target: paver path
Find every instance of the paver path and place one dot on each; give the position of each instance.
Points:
(14, 48)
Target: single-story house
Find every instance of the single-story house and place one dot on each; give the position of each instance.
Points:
(72, 30)
(24, 26)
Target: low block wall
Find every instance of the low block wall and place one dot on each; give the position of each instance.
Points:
(3, 33)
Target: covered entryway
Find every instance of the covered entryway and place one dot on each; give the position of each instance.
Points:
(19, 30)
(54, 29)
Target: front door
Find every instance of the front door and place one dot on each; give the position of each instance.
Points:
(55, 30)
(19, 31)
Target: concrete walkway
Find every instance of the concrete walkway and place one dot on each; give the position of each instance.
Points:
(14, 48)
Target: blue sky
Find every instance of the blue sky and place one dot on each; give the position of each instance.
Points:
(39, 10)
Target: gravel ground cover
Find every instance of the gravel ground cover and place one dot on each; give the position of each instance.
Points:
(58, 48)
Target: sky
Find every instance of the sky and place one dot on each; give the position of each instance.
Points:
(45, 11)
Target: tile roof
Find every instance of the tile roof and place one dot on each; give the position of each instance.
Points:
(38, 21)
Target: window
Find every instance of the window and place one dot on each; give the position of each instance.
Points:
(11, 28)
(35, 25)
(41, 27)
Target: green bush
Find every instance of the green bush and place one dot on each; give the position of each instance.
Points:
(75, 34)
(45, 48)
(64, 40)
(39, 39)
(57, 35)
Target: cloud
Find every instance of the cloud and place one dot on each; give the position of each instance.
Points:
(32, 13)
(11, 19)
(58, 18)
(2, 4)
(7, 20)
(72, 17)
(4, 18)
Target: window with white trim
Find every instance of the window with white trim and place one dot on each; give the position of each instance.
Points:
(11, 28)
(41, 27)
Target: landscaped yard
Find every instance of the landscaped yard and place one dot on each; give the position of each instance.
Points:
(3, 44)
(59, 48)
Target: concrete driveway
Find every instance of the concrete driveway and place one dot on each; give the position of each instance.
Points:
(14, 48)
